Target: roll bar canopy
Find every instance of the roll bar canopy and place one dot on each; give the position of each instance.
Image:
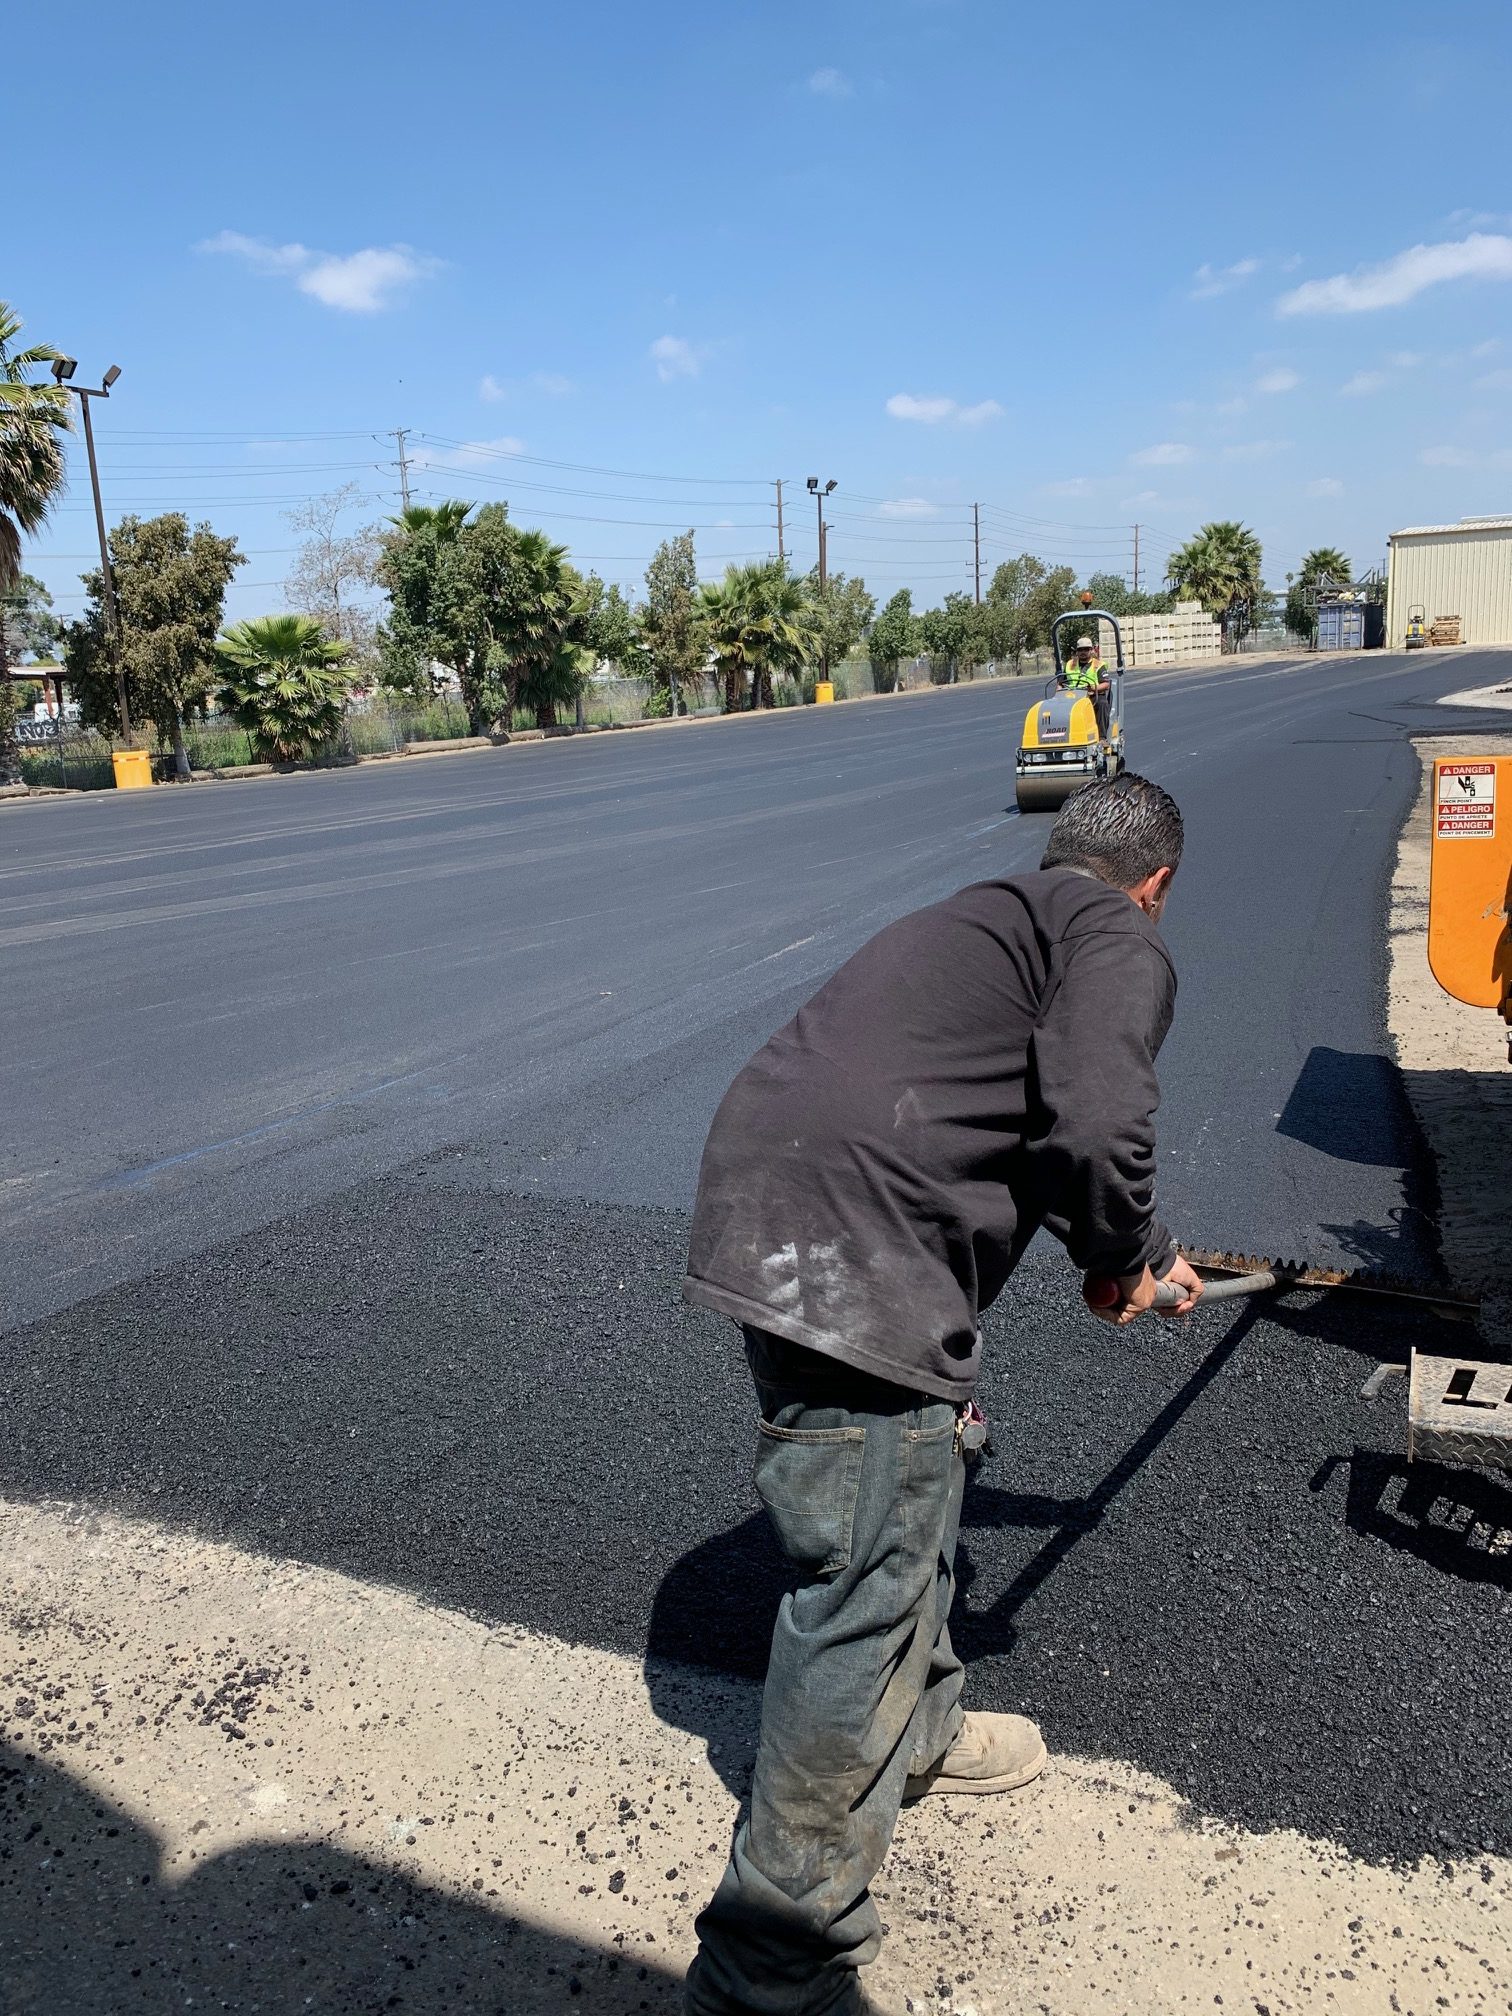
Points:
(1085, 616)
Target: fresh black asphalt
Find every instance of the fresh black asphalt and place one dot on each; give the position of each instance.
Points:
(349, 1145)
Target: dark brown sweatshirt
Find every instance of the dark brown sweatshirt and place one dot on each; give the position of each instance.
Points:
(977, 1070)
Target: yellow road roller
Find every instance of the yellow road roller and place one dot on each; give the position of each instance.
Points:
(1064, 745)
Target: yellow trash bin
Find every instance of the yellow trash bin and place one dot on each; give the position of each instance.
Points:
(824, 692)
(133, 769)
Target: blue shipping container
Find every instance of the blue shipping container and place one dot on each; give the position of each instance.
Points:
(1341, 626)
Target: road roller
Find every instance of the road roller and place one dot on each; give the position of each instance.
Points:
(1063, 746)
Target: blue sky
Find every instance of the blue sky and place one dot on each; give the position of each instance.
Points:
(626, 264)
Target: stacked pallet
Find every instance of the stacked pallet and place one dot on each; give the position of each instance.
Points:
(1444, 630)
(1188, 632)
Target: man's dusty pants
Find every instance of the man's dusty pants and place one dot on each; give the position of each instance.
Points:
(862, 1481)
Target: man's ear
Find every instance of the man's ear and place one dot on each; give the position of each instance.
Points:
(1150, 894)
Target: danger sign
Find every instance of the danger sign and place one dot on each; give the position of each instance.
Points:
(1467, 801)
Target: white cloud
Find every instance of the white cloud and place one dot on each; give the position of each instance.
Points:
(1446, 458)
(1210, 280)
(1487, 349)
(1070, 486)
(1495, 381)
(1478, 220)
(1481, 256)
(1230, 409)
(1405, 360)
(675, 357)
(1325, 486)
(932, 410)
(1254, 451)
(358, 283)
(830, 83)
(1140, 497)
(492, 390)
(1279, 380)
(1163, 455)
(908, 507)
(1365, 382)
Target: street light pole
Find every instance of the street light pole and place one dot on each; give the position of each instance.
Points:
(819, 496)
(63, 370)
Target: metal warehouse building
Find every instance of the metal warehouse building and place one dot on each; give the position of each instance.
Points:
(1441, 571)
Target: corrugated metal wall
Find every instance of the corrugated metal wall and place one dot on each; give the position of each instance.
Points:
(1466, 573)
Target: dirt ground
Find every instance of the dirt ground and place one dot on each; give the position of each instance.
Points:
(241, 1783)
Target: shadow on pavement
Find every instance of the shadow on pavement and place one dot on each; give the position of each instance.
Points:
(91, 1926)
(1458, 1521)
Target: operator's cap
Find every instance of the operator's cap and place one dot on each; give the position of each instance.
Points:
(1085, 644)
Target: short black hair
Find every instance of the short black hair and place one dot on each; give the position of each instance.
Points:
(1120, 829)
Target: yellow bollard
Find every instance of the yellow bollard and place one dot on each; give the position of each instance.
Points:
(133, 769)
(824, 693)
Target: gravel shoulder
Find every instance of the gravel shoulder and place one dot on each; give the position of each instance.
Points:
(248, 1784)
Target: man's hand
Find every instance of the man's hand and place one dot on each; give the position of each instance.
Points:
(1136, 1294)
(1181, 1276)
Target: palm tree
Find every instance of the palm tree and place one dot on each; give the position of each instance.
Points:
(539, 630)
(286, 682)
(1221, 569)
(761, 621)
(32, 418)
(725, 607)
(445, 520)
(1323, 565)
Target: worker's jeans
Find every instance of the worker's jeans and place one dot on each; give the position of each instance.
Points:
(862, 1481)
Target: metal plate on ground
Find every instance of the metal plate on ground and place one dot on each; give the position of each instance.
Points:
(1459, 1410)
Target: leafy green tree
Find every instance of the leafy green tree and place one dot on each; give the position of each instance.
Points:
(1221, 569)
(672, 623)
(31, 628)
(34, 414)
(613, 626)
(286, 682)
(448, 576)
(894, 636)
(842, 613)
(171, 591)
(1113, 593)
(951, 635)
(1324, 564)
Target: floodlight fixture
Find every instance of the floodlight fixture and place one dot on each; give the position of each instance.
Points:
(111, 376)
(813, 483)
(64, 368)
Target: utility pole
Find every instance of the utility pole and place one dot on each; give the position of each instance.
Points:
(781, 549)
(1136, 559)
(399, 433)
(976, 546)
(63, 370)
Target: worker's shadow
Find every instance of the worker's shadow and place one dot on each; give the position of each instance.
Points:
(93, 1923)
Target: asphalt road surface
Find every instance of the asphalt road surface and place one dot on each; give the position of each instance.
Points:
(352, 1120)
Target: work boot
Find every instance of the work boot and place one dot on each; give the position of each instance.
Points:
(993, 1753)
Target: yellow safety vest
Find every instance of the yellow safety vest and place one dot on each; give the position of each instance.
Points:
(1088, 676)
